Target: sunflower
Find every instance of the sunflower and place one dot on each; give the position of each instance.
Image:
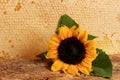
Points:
(71, 51)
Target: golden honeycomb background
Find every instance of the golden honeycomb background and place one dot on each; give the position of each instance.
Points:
(26, 25)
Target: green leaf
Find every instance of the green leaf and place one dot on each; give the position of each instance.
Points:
(42, 55)
(102, 65)
(67, 21)
(91, 37)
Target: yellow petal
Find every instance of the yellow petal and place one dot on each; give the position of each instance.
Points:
(65, 67)
(83, 69)
(91, 54)
(65, 32)
(52, 54)
(55, 38)
(83, 35)
(89, 69)
(76, 32)
(73, 28)
(91, 44)
(57, 65)
(73, 70)
(52, 44)
(87, 62)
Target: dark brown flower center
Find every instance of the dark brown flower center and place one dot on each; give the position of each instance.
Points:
(71, 51)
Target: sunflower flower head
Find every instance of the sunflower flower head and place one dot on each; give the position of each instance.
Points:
(71, 51)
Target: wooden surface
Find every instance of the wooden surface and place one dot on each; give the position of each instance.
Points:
(40, 70)
(26, 25)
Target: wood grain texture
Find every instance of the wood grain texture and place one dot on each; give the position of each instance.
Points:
(40, 70)
(26, 25)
